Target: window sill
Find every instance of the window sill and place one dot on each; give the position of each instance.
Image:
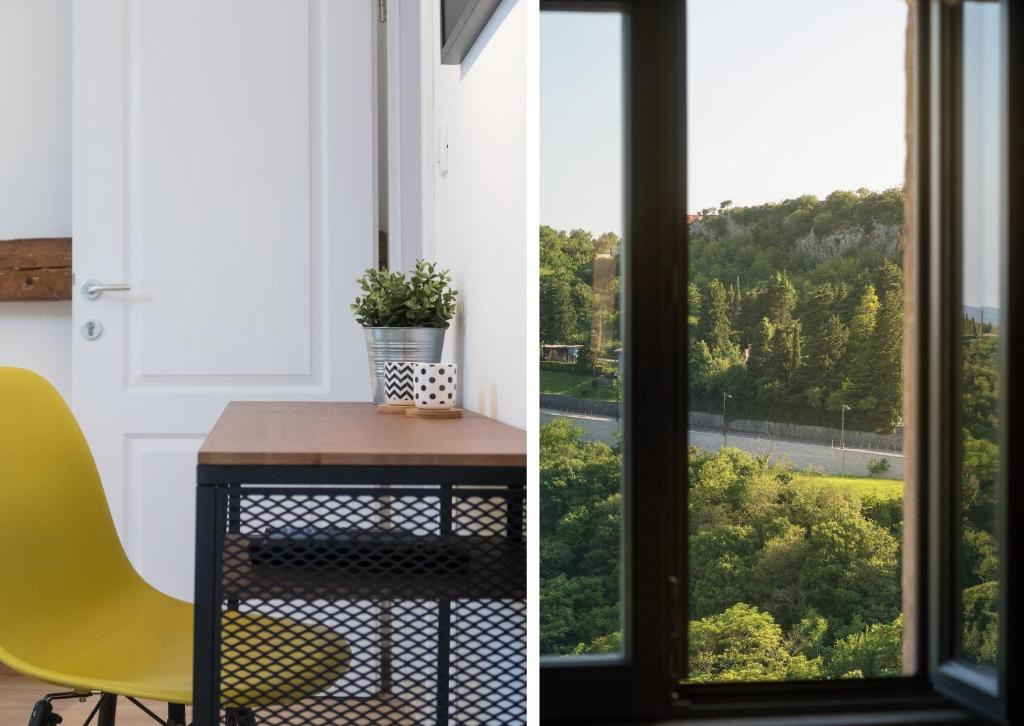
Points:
(888, 702)
(947, 714)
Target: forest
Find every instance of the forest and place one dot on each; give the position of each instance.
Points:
(795, 309)
(788, 580)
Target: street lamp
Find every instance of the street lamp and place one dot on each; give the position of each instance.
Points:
(725, 429)
(843, 408)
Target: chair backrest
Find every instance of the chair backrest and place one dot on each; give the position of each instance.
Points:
(59, 549)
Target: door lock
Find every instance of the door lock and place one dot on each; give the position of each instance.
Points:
(92, 329)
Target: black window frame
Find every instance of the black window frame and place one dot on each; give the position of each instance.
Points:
(637, 685)
(643, 685)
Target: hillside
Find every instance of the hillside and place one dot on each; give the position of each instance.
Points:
(983, 314)
(840, 239)
(796, 307)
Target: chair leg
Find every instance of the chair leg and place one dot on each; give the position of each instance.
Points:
(108, 710)
(175, 714)
(240, 717)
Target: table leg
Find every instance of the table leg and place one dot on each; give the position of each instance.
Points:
(514, 525)
(206, 649)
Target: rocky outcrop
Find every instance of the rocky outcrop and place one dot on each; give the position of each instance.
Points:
(715, 227)
(881, 238)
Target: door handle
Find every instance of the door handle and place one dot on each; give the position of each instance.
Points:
(92, 289)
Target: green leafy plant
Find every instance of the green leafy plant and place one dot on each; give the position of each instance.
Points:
(878, 467)
(389, 300)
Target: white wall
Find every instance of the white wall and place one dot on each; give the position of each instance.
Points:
(35, 170)
(481, 219)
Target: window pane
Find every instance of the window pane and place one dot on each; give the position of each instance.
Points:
(981, 267)
(581, 248)
(796, 327)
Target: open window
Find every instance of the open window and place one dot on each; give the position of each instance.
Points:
(783, 484)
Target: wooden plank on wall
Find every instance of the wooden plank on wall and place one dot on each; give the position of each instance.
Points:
(35, 269)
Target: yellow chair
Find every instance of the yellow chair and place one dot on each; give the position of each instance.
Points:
(73, 610)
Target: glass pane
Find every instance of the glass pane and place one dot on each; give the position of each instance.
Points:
(582, 212)
(796, 327)
(981, 267)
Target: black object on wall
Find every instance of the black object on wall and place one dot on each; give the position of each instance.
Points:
(462, 21)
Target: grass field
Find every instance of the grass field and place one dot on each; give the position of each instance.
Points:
(861, 485)
(567, 383)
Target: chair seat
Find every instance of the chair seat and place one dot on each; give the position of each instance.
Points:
(144, 650)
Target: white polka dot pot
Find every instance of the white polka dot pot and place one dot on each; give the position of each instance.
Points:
(435, 385)
(398, 377)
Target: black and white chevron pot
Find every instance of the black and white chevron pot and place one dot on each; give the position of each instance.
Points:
(398, 381)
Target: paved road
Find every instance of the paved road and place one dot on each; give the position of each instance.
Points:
(798, 455)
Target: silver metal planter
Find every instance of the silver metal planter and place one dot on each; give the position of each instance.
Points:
(413, 344)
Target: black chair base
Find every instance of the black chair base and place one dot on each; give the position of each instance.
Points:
(105, 711)
(240, 717)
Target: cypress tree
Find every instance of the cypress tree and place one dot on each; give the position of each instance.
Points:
(761, 347)
(558, 319)
(716, 329)
(861, 363)
(888, 348)
(779, 299)
(693, 311)
(736, 309)
(826, 335)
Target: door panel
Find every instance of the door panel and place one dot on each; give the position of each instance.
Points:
(159, 507)
(219, 195)
(224, 168)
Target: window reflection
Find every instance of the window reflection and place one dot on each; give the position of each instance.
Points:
(581, 246)
(981, 277)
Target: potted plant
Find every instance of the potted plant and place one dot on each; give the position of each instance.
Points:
(404, 318)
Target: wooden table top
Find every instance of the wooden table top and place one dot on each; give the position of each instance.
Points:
(354, 434)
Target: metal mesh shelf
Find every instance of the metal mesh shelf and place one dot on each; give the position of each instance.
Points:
(369, 603)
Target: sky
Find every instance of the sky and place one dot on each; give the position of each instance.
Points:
(786, 97)
(982, 132)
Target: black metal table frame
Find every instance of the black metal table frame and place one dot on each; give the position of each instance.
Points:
(215, 504)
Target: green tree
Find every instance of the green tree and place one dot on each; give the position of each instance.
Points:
(736, 307)
(761, 360)
(888, 351)
(574, 611)
(872, 653)
(693, 311)
(861, 363)
(778, 300)
(852, 571)
(826, 335)
(716, 329)
(580, 525)
(787, 353)
(558, 319)
(981, 623)
(743, 644)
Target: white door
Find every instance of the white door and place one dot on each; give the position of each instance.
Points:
(223, 168)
